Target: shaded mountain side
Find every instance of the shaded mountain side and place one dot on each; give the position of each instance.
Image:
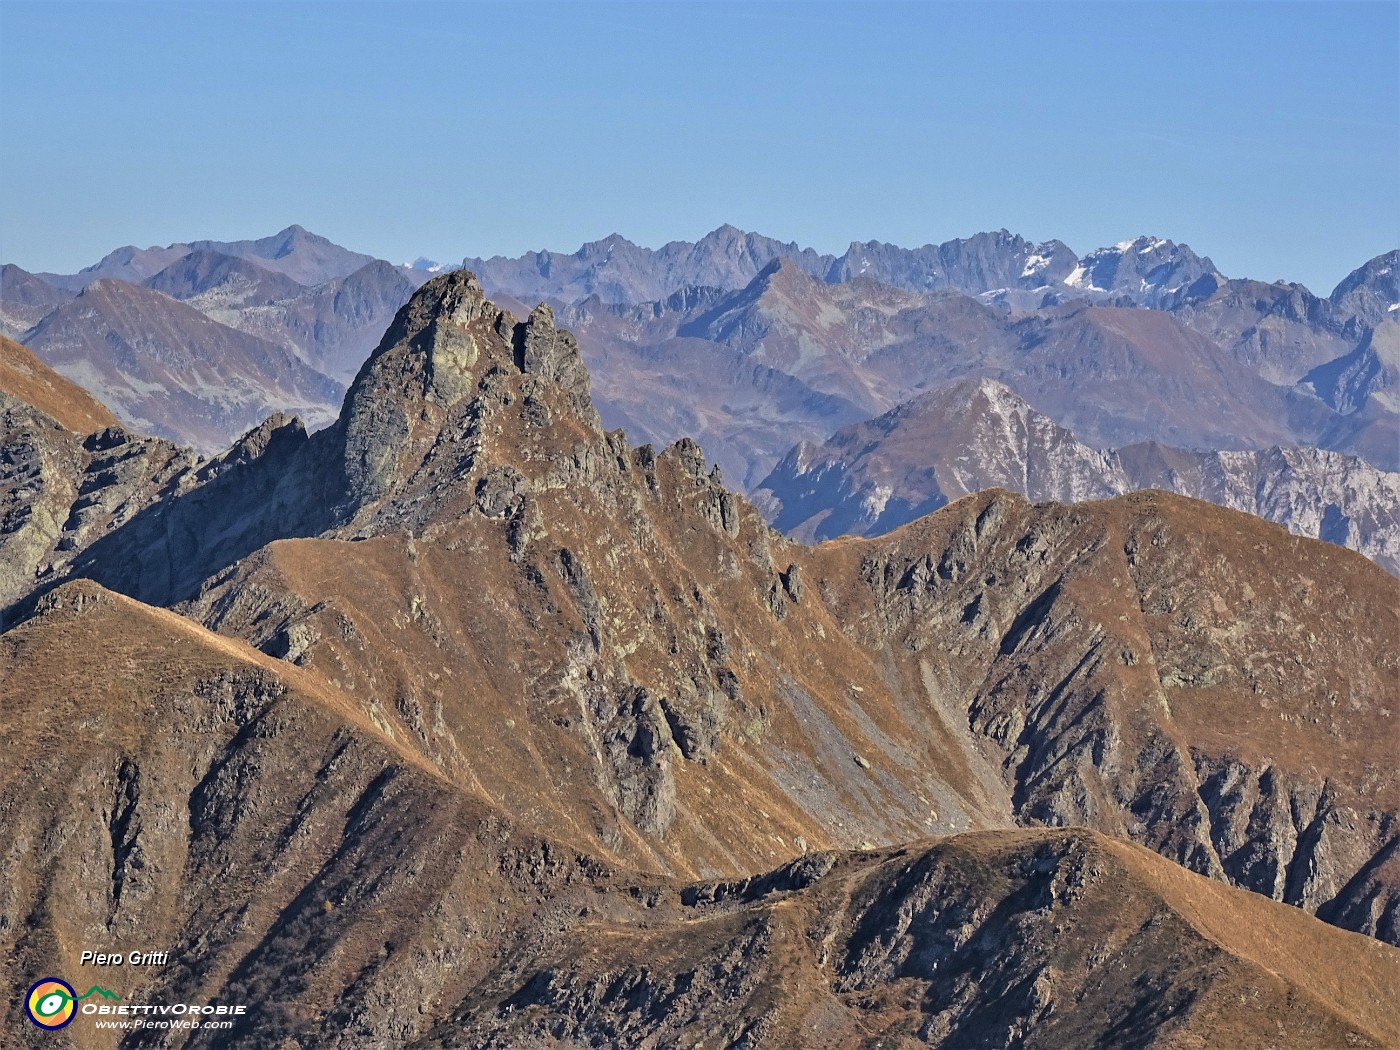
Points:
(874, 476)
(1279, 330)
(1367, 377)
(331, 327)
(25, 378)
(1035, 939)
(165, 368)
(60, 489)
(184, 790)
(208, 279)
(334, 326)
(25, 299)
(690, 671)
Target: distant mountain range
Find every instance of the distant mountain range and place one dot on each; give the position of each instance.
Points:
(1002, 266)
(199, 342)
(307, 258)
(753, 345)
(166, 368)
(974, 434)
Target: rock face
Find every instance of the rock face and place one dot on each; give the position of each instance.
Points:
(60, 489)
(209, 280)
(1118, 690)
(1371, 292)
(870, 478)
(472, 712)
(985, 262)
(1004, 940)
(1148, 271)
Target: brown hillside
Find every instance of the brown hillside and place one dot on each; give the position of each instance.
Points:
(25, 377)
(182, 789)
(994, 662)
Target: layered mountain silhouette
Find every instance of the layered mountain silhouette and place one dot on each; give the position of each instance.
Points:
(304, 257)
(465, 707)
(789, 357)
(874, 476)
(1279, 333)
(166, 368)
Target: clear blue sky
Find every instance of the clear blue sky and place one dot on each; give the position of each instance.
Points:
(1265, 135)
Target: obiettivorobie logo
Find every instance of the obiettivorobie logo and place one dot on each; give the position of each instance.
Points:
(52, 1002)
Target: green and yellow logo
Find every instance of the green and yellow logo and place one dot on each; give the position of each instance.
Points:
(52, 1002)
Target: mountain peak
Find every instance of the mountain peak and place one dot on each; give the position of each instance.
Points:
(450, 360)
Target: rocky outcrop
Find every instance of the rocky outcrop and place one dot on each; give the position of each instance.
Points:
(975, 941)
(1174, 717)
(1371, 291)
(61, 488)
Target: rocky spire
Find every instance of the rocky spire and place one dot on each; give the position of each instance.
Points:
(450, 359)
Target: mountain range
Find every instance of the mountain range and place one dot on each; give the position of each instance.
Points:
(973, 434)
(466, 708)
(753, 345)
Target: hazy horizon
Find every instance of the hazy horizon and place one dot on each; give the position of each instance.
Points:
(1265, 136)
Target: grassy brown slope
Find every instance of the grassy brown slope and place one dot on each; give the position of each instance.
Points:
(1191, 677)
(180, 791)
(490, 672)
(1027, 938)
(25, 377)
(699, 693)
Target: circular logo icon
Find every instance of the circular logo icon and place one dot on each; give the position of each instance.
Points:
(50, 1003)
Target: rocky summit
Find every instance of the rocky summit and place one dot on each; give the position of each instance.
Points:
(463, 722)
